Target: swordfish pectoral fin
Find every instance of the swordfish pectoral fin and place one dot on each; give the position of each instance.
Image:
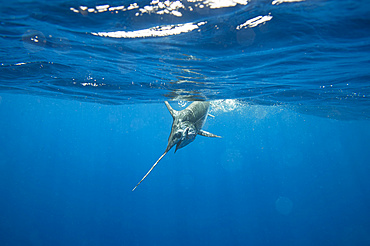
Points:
(160, 158)
(208, 134)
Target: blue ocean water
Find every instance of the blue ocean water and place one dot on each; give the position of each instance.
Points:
(82, 119)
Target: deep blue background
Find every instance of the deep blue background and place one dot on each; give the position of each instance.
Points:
(82, 119)
(275, 178)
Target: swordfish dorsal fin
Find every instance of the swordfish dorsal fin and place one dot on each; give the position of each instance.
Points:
(172, 111)
(208, 134)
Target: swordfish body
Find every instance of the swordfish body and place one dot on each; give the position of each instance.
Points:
(186, 125)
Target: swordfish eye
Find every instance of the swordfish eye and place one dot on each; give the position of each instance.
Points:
(177, 135)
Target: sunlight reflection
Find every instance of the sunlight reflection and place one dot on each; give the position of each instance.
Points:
(158, 31)
(161, 7)
(277, 2)
(166, 7)
(215, 4)
(255, 22)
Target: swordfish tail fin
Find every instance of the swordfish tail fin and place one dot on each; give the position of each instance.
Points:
(160, 158)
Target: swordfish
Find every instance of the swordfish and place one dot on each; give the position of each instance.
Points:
(186, 125)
